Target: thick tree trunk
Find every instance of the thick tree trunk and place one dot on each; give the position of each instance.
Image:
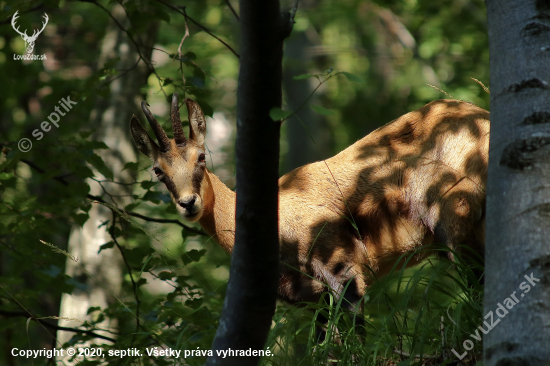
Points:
(252, 289)
(110, 119)
(517, 290)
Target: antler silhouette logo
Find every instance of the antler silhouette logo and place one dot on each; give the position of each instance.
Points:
(29, 40)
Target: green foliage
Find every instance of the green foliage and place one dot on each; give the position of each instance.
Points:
(278, 114)
(174, 279)
(421, 311)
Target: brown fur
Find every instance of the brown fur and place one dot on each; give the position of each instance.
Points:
(417, 180)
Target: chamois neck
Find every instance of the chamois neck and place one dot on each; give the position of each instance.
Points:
(218, 218)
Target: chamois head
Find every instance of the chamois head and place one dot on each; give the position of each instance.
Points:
(180, 162)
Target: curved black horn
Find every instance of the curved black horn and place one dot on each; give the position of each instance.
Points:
(164, 141)
(179, 136)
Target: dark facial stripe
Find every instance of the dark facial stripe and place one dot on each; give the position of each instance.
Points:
(170, 186)
(167, 158)
(198, 176)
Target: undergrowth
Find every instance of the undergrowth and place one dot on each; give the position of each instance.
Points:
(413, 316)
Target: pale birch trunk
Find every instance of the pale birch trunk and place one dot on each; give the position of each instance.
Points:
(518, 190)
(110, 120)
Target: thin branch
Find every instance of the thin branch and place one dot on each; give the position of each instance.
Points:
(233, 10)
(136, 45)
(39, 6)
(179, 55)
(183, 39)
(115, 182)
(42, 171)
(165, 221)
(24, 314)
(126, 71)
(321, 82)
(134, 284)
(130, 213)
(198, 25)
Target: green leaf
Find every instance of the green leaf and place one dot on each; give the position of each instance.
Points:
(141, 281)
(5, 176)
(193, 255)
(166, 275)
(156, 197)
(206, 108)
(96, 145)
(80, 218)
(78, 189)
(302, 76)
(83, 172)
(85, 134)
(145, 264)
(98, 163)
(131, 206)
(108, 245)
(322, 110)
(190, 55)
(92, 309)
(194, 303)
(148, 184)
(131, 166)
(277, 114)
(352, 77)
(162, 15)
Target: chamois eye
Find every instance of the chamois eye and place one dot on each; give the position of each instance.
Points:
(202, 158)
(157, 171)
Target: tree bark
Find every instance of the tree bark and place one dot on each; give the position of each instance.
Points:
(254, 275)
(518, 188)
(110, 119)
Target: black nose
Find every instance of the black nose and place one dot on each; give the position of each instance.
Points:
(187, 204)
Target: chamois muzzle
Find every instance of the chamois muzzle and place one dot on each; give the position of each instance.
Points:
(188, 204)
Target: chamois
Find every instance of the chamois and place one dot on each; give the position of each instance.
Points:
(418, 180)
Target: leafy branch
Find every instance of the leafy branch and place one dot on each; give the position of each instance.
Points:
(181, 10)
(129, 213)
(24, 314)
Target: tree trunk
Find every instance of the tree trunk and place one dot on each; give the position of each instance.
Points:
(254, 275)
(517, 290)
(110, 119)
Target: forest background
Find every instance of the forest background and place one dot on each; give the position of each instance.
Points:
(142, 277)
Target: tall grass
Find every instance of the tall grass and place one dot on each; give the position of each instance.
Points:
(413, 316)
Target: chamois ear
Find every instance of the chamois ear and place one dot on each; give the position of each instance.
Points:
(197, 122)
(143, 141)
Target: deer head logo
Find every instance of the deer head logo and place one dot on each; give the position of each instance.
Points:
(29, 40)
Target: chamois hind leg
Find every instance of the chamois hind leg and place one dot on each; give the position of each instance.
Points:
(461, 224)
